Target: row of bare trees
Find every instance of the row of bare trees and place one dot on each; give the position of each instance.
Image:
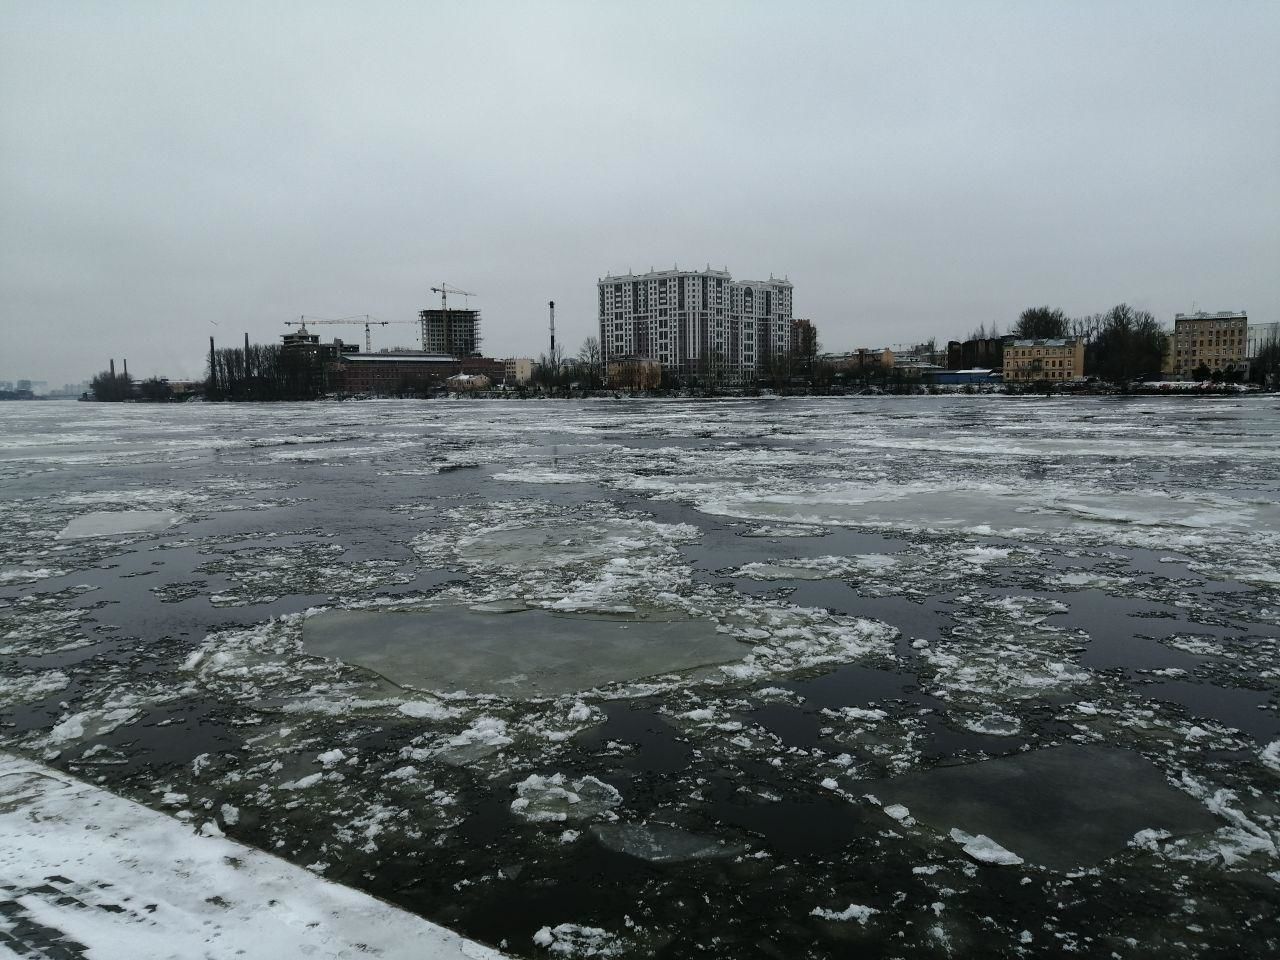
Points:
(263, 372)
(110, 387)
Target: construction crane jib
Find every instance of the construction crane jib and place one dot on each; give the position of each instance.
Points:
(367, 320)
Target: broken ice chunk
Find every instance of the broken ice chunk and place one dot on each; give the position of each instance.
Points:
(556, 798)
(658, 843)
(854, 911)
(985, 850)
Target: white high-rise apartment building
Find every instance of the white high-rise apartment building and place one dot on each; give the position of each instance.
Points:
(701, 324)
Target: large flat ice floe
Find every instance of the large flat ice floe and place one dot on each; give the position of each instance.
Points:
(84, 866)
(522, 655)
(1060, 807)
(117, 523)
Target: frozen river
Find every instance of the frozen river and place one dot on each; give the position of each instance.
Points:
(908, 677)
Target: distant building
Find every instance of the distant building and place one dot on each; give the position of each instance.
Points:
(184, 388)
(862, 359)
(517, 370)
(1213, 341)
(913, 365)
(455, 333)
(399, 372)
(468, 382)
(696, 324)
(804, 337)
(302, 343)
(975, 353)
(975, 376)
(1027, 361)
(1259, 335)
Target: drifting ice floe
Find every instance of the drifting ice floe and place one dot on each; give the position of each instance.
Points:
(522, 655)
(118, 523)
(984, 849)
(658, 843)
(854, 911)
(556, 799)
(1060, 807)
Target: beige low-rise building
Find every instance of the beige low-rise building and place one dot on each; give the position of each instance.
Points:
(1209, 341)
(1028, 361)
(517, 370)
(468, 382)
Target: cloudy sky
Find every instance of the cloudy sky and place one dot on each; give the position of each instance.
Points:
(170, 171)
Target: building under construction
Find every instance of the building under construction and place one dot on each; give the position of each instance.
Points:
(455, 333)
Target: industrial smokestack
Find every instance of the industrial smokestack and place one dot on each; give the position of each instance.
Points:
(552, 305)
(113, 368)
(126, 366)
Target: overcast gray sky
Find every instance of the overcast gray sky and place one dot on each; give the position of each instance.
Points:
(915, 168)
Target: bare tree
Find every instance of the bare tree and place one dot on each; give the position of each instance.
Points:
(112, 387)
(1086, 328)
(1130, 344)
(549, 370)
(589, 353)
(1265, 367)
(590, 367)
(1041, 323)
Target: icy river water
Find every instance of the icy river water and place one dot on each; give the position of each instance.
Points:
(900, 677)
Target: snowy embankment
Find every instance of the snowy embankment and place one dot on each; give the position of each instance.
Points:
(124, 881)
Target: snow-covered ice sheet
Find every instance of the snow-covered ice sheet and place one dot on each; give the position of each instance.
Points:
(83, 865)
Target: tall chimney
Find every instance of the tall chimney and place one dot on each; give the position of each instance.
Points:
(552, 305)
(126, 366)
(113, 368)
(246, 343)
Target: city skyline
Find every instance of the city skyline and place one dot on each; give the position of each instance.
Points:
(915, 171)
